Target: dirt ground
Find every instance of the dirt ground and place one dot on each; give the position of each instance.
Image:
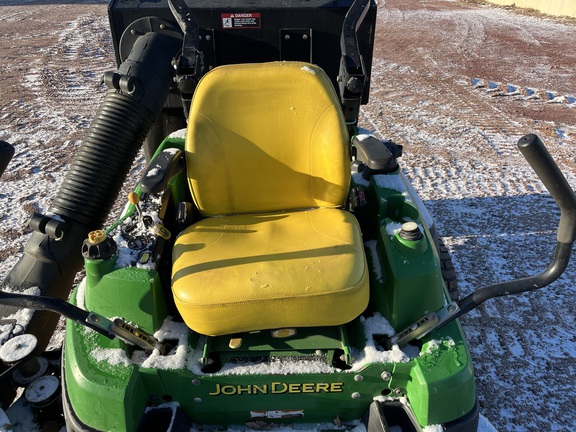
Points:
(435, 65)
(460, 154)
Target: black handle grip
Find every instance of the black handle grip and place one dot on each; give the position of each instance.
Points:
(52, 304)
(542, 163)
(6, 153)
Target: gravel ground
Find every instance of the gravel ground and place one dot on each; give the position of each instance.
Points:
(495, 217)
(436, 68)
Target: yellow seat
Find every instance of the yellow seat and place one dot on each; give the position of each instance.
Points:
(267, 163)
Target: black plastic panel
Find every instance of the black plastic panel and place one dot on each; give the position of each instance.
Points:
(256, 31)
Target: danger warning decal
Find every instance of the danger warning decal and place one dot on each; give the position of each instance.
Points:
(240, 20)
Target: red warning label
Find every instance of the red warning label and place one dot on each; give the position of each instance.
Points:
(240, 20)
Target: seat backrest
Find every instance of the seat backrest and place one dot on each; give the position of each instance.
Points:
(266, 137)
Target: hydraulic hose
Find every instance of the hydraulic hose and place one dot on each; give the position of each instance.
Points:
(136, 95)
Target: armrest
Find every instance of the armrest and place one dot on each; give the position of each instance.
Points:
(161, 169)
(377, 157)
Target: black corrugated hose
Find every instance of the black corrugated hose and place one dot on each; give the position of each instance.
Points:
(103, 161)
(138, 91)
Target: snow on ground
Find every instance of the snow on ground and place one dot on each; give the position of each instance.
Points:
(459, 152)
(493, 213)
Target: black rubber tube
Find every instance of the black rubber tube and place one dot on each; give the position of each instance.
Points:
(137, 94)
(103, 161)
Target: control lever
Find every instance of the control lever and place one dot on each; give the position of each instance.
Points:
(111, 329)
(544, 166)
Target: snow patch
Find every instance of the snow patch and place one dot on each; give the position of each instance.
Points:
(308, 69)
(81, 294)
(180, 133)
(376, 267)
(377, 325)
(177, 357)
(277, 366)
(112, 356)
(435, 344)
(433, 428)
(15, 323)
(374, 325)
(381, 398)
(393, 228)
(154, 171)
(393, 182)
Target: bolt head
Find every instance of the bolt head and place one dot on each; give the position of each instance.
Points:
(386, 376)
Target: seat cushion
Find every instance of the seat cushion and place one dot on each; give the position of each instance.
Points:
(241, 273)
(266, 137)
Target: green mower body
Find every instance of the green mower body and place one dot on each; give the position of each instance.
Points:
(273, 267)
(326, 375)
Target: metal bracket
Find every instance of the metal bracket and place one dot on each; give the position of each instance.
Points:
(296, 44)
(428, 323)
(352, 78)
(127, 332)
(53, 227)
(190, 63)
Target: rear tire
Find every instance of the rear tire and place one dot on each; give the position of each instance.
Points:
(448, 272)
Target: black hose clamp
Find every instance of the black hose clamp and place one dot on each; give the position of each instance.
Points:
(50, 226)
